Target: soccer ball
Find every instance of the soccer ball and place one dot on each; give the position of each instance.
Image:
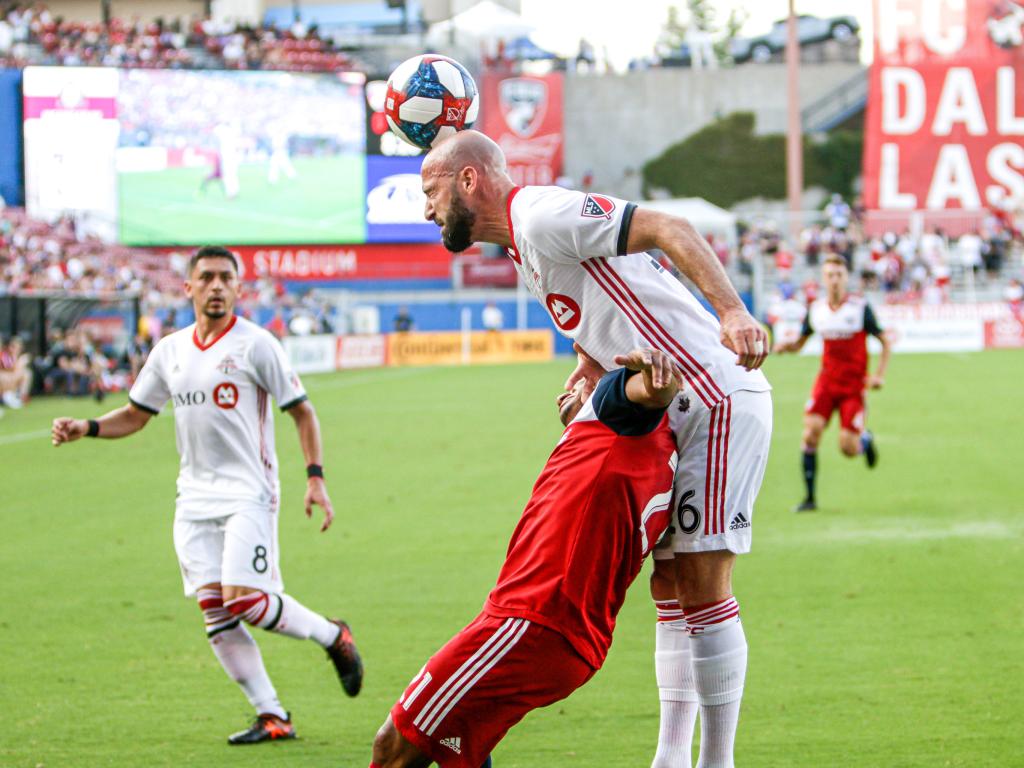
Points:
(430, 98)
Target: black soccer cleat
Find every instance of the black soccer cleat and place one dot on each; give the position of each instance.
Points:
(807, 505)
(867, 443)
(346, 659)
(264, 728)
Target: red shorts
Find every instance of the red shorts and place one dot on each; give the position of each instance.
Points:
(824, 400)
(481, 683)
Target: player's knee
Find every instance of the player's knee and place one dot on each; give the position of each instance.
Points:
(812, 437)
(251, 606)
(663, 580)
(391, 750)
(850, 448)
(704, 577)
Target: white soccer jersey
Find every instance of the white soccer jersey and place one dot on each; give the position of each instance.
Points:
(570, 248)
(225, 429)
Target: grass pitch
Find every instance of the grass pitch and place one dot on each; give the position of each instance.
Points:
(884, 630)
(324, 203)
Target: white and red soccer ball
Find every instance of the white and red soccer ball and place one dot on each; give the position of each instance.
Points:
(430, 98)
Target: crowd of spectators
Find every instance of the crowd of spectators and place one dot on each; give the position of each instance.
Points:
(31, 34)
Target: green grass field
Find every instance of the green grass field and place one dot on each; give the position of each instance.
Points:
(884, 630)
(324, 203)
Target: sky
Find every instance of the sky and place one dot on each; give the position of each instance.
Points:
(629, 34)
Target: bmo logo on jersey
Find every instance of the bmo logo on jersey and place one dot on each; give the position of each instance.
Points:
(564, 311)
(225, 395)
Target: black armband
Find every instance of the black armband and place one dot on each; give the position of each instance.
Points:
(314, 470)
(94, 428)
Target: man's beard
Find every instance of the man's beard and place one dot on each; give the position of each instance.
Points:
(215, 314)
(457, 231)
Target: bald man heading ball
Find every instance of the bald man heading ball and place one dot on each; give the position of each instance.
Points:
(584, 257)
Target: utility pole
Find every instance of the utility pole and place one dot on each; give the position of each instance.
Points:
(794, 134)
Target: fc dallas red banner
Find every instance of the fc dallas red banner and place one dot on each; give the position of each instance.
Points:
(345, 262)
(524, 115)
(945, 115)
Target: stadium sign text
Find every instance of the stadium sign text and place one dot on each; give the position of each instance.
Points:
(945, 118)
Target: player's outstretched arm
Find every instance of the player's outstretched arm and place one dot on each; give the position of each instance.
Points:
(657, 383)
(877, 379)
(694, 258)
(308, 427)
(118, 423)
(790, 346)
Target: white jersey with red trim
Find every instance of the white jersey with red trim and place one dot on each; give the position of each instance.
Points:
(570, 248)
(225, 429)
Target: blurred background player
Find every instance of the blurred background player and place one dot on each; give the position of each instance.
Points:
(220, 374)
(844, 321)
(583, 256)
(547, 625)
(280, 155)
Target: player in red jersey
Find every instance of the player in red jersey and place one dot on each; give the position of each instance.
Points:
(844, 321)
(598, 508)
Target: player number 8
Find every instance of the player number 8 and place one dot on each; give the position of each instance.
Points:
(259, 562)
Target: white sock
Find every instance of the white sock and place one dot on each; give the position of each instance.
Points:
(241, 659)
(676, 688)
(719, 650)
(299, 622)
(285, 615)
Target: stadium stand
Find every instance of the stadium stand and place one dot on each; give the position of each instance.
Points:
(30, 34)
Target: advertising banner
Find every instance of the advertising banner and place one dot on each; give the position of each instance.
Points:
(480, 272)
(945, 114)
(395, 202)
(71, 137)
(11, 180)
(477, 347)
(310, 354)
(346, 262)
(369, 351)
(524, 115)
(1007, 333)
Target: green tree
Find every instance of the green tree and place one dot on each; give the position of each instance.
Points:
(726, 162)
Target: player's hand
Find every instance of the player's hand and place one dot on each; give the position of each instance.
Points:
(875, 382)
(587, 369)
(746, 337)
(316, 493)
(67, 430)
(657, 368)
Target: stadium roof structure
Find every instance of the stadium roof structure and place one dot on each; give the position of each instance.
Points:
(706, 217)
(363, 17)
(484, 21)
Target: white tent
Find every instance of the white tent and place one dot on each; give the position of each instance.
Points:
(485, 21)
(706, 217)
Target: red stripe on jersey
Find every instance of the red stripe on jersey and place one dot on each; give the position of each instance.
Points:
(716, 393)
(707, 472)
(725, 464)
(602, 274)
(593, 267)
(215, 339)
(719, 427)
(511, 231)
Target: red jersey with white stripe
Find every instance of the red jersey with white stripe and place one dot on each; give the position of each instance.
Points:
(844, 330)
(570, 248)
(599, 506)
(224, 426)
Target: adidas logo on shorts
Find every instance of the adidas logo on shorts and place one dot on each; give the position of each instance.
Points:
(454, 743)
(740, 521)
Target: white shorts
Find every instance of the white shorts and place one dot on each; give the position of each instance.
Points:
(239, 549)
(722, 457)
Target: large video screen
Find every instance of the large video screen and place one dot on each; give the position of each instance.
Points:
(203, 157)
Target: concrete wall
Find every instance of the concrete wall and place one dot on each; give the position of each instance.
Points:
(615, 123)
